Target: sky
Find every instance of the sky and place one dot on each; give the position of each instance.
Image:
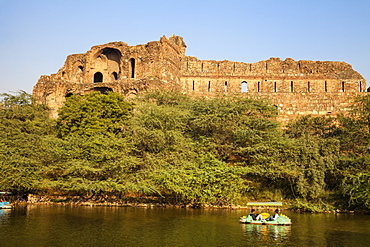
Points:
(36, 36)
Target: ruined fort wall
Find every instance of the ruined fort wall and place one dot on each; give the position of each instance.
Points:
(173, 50)
(238, 84)
(295, 87)
(292, 105)
(270, 76)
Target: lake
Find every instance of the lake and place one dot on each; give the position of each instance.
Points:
(55, 225)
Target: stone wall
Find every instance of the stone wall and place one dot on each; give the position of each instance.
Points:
(295, 87)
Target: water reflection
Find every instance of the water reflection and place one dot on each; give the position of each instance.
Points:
(266, 235)
(4, 213)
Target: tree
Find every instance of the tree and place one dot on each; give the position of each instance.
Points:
(22, 126)
(357, 189)
(361, 111)
(19, 99)
(94, 113)
(353, 130)
(87, 165)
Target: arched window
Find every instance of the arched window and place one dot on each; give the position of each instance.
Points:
(225, 89)
(98, 77)
(193, 85)
(308, 87)
(244, 87)
(209, 86)
(360, 86)
(342, 86)
(325, 86)
(132, 67)
(291, 86)
(275, 87)
(259, 86)
(115, 75)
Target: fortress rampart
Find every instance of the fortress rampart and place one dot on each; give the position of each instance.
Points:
(294, 87)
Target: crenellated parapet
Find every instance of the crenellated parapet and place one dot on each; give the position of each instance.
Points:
(274, 67)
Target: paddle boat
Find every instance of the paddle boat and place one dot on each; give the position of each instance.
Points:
(5, 205)
(281, 220)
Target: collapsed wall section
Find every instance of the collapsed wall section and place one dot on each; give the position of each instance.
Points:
(116, 67)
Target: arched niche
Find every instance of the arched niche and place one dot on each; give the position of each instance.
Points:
(108, 61)
(112, 54)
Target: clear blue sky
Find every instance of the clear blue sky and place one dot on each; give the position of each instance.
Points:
(37, 35)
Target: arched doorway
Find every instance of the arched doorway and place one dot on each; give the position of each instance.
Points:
(98, 77)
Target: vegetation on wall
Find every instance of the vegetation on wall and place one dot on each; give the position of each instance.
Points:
(185, 150)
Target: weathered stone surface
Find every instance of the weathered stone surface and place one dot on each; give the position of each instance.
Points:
(295, 87)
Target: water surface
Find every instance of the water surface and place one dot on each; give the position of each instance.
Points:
(40, 225)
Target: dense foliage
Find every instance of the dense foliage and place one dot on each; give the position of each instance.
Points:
(178, 149)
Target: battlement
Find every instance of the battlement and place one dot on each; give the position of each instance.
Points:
(272, 68)
(295, 87)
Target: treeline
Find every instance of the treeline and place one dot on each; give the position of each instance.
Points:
(179, 149)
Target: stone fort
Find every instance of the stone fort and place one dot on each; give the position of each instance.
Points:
(295, 87)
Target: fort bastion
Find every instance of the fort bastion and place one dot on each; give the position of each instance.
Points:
(294, 87)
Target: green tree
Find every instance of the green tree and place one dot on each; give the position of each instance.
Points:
(361, 111)
(20, 98)
(22, 126)
(94, 113)
(357, 188)
(88, 165)
(317, 156)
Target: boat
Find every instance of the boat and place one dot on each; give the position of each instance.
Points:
(5, 205)
(282, 220)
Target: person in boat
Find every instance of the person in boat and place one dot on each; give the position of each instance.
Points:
(273, 217)
(255, 216)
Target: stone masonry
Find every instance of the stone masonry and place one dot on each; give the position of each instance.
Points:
(294, 87)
